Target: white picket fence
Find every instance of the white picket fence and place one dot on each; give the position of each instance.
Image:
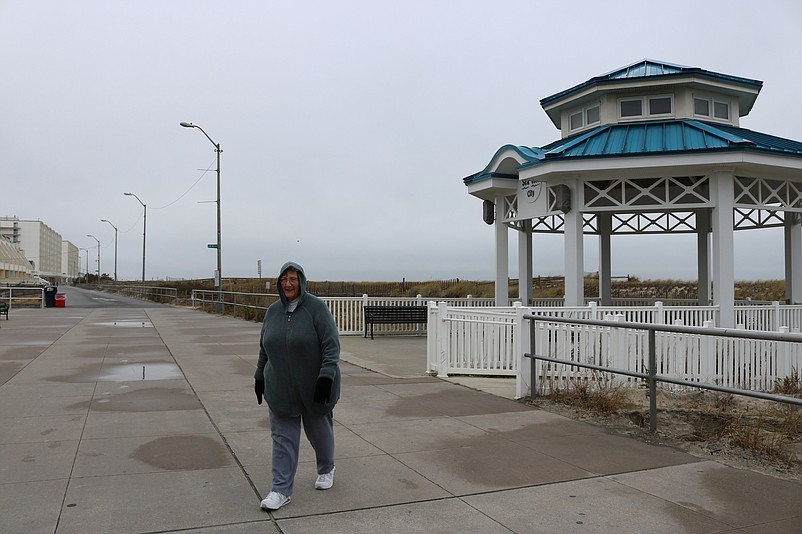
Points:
(492, 341)
(349, 312)
(471, 336)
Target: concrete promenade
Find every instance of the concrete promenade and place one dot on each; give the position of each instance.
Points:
(90, 445)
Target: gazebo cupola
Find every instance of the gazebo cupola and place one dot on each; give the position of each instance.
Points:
(650, 90)
(650, 148)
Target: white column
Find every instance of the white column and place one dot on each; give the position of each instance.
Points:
(723, 247)
(521, 337)
(525, 262)
(703, 256)
(502, 255)
(574, 253)
(604, 224)
(793, 257)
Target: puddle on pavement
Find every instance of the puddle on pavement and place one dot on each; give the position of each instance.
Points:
(146, 371)
(123, 372)
(183, 453)
(126, 324)
(142, 400)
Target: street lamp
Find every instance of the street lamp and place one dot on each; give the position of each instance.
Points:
(219, 274)
(115, 247)
(98, 257)
(144, 234)
(87, 264)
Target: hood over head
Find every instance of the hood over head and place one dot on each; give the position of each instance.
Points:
(291, 265)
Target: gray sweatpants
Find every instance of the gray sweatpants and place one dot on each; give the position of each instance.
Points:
(286, 433)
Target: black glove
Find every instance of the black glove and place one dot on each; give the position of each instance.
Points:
(259, 388)
(323, 390)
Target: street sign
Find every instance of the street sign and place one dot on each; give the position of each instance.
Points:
(211, 245)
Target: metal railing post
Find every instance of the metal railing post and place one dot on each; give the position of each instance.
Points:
(533, 364)
(652, 381)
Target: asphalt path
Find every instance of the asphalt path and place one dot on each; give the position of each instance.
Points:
(88, 298)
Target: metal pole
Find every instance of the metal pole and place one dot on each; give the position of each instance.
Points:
(115, 247)
(87, 265)
(219, 273)
(98, 258)
(219, 249)
(144, 236)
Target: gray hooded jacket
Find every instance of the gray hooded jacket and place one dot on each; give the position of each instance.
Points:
(296, 349)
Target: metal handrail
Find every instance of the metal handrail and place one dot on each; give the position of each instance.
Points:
(140, 291)
(11, 298)
(652, 377)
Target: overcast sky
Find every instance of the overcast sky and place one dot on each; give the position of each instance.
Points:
(346, 126)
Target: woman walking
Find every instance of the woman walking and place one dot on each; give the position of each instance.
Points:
(299, 375)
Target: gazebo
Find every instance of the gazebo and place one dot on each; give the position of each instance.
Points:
(650, 148)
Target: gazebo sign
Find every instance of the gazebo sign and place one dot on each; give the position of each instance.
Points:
(532, 199)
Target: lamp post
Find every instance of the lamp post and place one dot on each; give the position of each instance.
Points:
(219, 274)
(115, 247)
(87, 264)
(144, 234)
(98, 257)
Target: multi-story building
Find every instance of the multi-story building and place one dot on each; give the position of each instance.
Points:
(70, 261)
(46, 253)
(14, 267)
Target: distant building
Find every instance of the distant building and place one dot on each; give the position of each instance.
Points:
(70, 260)
(44, 253)
(14, 267)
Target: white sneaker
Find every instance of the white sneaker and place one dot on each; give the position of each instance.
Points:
(274, 501)
(325, 481)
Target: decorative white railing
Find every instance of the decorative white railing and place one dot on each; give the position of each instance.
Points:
(492, 342)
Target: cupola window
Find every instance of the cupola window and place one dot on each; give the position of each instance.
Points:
(630, 108)
(585, 117)
(703, 106)
(660, 105)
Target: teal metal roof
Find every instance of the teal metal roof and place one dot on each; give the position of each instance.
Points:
(647, 68)
(650, 138)
(529, 154)
(643, 68)
(659, 137)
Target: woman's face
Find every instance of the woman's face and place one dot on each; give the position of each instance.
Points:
(290, 284)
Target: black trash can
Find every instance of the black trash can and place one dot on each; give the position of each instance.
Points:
(50, 296)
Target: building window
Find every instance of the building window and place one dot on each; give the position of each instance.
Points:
(701, 106)
(660, 105)
(650, 106)
(631, 108)
(576, 120)
(593, 115)
(584, 117)
(721, 110)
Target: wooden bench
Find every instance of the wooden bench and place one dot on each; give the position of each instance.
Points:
(394, 315)
(4, 309)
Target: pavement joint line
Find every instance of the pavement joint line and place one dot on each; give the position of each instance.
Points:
(80, 438)
(206, 411)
